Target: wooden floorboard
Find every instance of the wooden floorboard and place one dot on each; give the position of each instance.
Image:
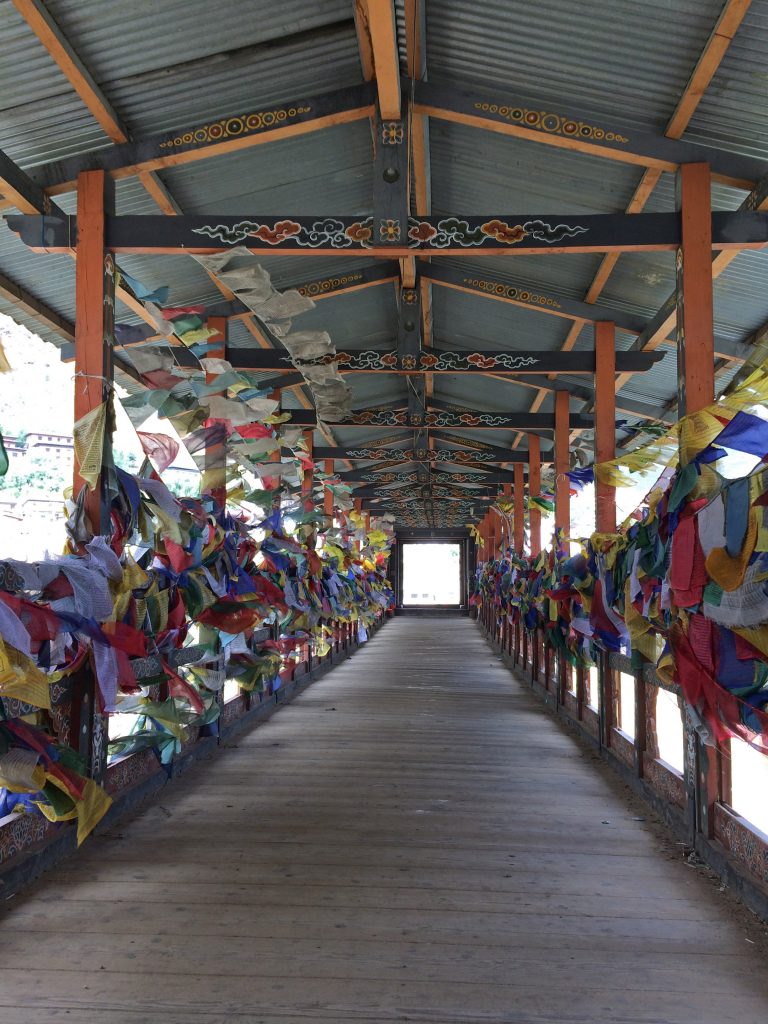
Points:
(413, 839)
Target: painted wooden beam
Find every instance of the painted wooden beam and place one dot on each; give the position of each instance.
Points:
(579, 131)
(440, 361)
(391, 179)
(214, 137)
(378, 454)
(382, 272)
(467, 420)
(529, 298)
(481, 476)
(460, 234)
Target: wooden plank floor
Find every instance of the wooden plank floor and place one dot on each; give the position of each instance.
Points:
(414, 839)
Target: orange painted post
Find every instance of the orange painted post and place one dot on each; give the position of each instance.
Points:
(506, 540)
(328, 495)
(696, 390)
(519, 511)
(308, 480)
(534, 489)
(695, 326)
(359, 510)
(215, 458)
(562, 463)
(552, 660)
(605, 422)
(94, 326)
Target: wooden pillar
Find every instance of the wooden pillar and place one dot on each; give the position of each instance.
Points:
(506, 540)
(359, 511)
(215, 458)
(328, 496)
(308, 480)
(605, 421)
(94, 343)
(94, 327)
(534, 488)
(696, 390)
(562, 462)
(519, 511)
(695, 327)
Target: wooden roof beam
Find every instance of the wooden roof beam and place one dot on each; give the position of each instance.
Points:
(36, 308)
(731, 18)
(213, 138)
(581, 132)
(63, 53)
(377, 25)
(508, 234)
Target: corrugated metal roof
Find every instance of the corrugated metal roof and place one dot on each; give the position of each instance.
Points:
(461, 320)
(733, 113)
(484, 393)
(624, 60)
(621, 61)
(41, 115)
(182, 61)
(476, 171)
(326, 172)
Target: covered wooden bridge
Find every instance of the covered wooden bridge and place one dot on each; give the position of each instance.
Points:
(417, 286)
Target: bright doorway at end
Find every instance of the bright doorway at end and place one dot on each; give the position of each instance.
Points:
(432, 574)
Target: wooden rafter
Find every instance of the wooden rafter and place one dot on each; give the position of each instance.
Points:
(215, 137)
(52, 38)
(376, 21)
(35, 307)
(61, 51)
(731, 18)
(582, 132)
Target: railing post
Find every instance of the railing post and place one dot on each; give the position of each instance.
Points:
(641, 721)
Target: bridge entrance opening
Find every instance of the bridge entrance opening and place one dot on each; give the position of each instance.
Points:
(432, 574)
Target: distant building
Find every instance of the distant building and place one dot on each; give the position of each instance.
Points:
(60, 446)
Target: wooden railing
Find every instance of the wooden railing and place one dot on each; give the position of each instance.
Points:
(709, 829)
